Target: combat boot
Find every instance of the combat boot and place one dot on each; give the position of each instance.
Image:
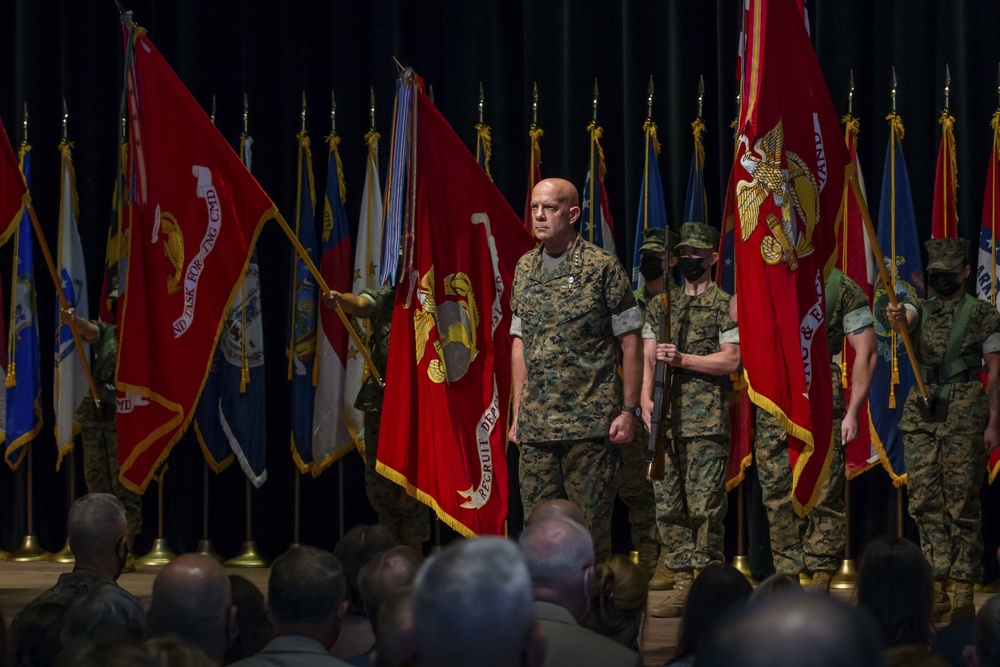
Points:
(964, 605)
(649, 557)
(941, 605)
(673, 606)
(821, 581)
(663, 576)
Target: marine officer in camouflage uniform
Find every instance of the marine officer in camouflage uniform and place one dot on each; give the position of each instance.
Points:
(947, 446)
(98, 428)
(815, 544)
(635, 490)
(704, 347)
(574, 319)
(402, 515)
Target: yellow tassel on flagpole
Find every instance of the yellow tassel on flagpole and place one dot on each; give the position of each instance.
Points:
(895, 375)
(11, 375)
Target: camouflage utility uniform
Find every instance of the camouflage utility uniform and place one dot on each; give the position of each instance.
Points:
(691, 498)
(69, 587)
(814, 543)
(569, 320)
(99, 430)
(945, 460)
(402, 515)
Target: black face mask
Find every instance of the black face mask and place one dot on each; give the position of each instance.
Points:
(944, 284)
(650, 267)
(691, 268)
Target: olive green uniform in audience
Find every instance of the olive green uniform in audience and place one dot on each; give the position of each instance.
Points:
(69, 587)
(402, 515)
(569, 320)
(99, 430)
(691, 498)
(945, 460)
(814, 543)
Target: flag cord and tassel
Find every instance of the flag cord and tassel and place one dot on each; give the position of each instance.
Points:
(63, 303)
(324, 288)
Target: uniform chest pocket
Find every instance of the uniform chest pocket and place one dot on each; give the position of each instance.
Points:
(700, 332)
(561, 301)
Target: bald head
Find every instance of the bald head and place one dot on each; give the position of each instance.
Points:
(192, 597)
(96, 529)
(555, 207)
(559, 189)
(556, 509)
(387, 573)
(560, 557)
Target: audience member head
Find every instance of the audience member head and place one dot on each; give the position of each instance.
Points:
(985, 651)
(560, 508)
(116, 653)
(560, 557)
(104, 614)
(793, 631)
(253, 628)
(776, 584)
(388, 572)
(716, 590)
(895, 584)
(305, 594)
(618, 603)
(358, 546)
(472, 605)
(97, 534)
(36, 640)
(396, 640)
(172, 651)
(192, 598)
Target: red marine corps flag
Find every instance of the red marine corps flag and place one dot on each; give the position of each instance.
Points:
(13, 191)
(444, 423)
(790, 168)
(198, 214)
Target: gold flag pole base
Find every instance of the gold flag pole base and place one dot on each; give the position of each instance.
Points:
(158, 556)
(805, 580)
(978, 588)
(846, 576)
(31, 551)
(742, 563)
(4, 555)
(65, 555)
(248, 557)
(205, 548)
(992, 588)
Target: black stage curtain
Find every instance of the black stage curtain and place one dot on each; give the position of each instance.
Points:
(65, 49)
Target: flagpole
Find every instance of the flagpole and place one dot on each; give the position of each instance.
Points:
(160, 554)
(248, 556)
(31, 549)
(65, 555)
(993, 197)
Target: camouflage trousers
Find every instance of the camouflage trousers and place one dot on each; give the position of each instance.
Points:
(636, 491)
(944, 474)
(799, 544)
(691, 502)
(585, 472)
(405, 517)
(101, 471)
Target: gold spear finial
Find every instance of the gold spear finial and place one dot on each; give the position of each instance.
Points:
(65, 120)
(701, 92)
(595, 100)
(850, 92)
(482, 100)
(371, 109)
(534, 104)
(303, 115)
(649, 98)
(894, 89)
(947, 87)
(333, 112)
(211, 116)
(246, 112)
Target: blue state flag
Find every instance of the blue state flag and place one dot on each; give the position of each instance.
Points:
(597, 226)
(893, 372)
(305, 301)
(652, 208)
(24, 387)
(231, 420)
(695, 199)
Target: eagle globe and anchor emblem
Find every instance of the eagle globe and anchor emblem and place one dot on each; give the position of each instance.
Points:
(456, 321)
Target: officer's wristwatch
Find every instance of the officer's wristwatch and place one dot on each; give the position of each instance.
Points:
(632, 410)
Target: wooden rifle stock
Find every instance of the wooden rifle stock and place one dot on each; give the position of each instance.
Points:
(661, 399)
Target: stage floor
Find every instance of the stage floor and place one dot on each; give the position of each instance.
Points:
(21, 582)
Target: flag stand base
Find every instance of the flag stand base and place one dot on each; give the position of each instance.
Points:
(978, 588)
(31, 550)
(846, 576)
(159, 555)
(205, 548)
(63, 556)
(805, 580)
(248, 557)
(992, 588)
(742, 563)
